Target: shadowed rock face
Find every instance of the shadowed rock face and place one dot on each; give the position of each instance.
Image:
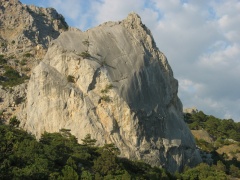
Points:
(122, 91)
(26, 28)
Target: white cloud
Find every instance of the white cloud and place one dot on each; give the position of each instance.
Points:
(116, 10)
(72, 8)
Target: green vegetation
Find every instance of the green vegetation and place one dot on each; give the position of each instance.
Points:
(2, 60)
(3, 44)
(203, 172)
(106, 98)
(42, 14)
(14, 122)
(28, 55)
(107, 88)
(86, 42)
(59, 156)
(11, 77)
(70, 78)
(23, 62)
(224, 132)
(217, 128)
(85, 54)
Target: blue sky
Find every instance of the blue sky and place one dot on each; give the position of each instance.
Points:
(201, 40)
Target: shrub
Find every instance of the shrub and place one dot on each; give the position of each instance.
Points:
(107, 88)
(2, 59)
(86, 42)
(23, 62)
(11, 77)
(42, 14)
(18, 100)
(3, 44)
(14, 122)
(1, 112)
(106, 98)
(28, 55)
(70, 79)
(85, 54)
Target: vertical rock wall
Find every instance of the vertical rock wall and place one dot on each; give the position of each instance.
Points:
(112, 82)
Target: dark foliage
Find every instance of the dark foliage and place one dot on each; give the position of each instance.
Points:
(217, 128)
(59, 156)
(11, 77)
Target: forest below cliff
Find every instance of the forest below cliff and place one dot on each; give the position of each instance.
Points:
(60, 156)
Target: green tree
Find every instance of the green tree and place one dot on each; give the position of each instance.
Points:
(105, 164)
(14, 122)
(69, 173)
(86, 175)
(88, 141)
(234, 171)
(220, 166)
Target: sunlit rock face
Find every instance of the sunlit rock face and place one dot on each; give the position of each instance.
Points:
(112, 82)
(25, 34)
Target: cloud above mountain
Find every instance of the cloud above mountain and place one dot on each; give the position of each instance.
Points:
(200, 38)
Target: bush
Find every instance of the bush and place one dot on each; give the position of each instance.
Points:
(107, 88)
(11, 77)
(85, 54)
(86, 42)
(3, 44)
(70, 79)
(106, 98)
(14, 122)
(2, 59)
(28, 55)
(23, 62)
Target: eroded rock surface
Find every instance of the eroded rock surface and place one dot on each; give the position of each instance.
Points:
(25, 28)
(112, 82)
(25, 33)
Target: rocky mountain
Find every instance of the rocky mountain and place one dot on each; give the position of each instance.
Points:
(25, 34)
(110, 81)
(26, 28)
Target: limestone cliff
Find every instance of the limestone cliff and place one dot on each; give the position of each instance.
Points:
(112, 82)
(25, 33)
(26, 28)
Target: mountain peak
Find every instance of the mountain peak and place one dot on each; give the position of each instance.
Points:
(133, 20)
(122, 91)
(134, 17)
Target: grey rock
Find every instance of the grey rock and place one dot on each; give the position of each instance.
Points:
(122, 91)
(24, 30)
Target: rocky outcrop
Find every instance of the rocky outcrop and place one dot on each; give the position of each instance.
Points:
(26, 28)
(112, 82)
(192, 110)
(25, 33)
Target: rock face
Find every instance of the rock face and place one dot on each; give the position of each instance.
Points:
(28, 28)
(112, 82)
(25, 33)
